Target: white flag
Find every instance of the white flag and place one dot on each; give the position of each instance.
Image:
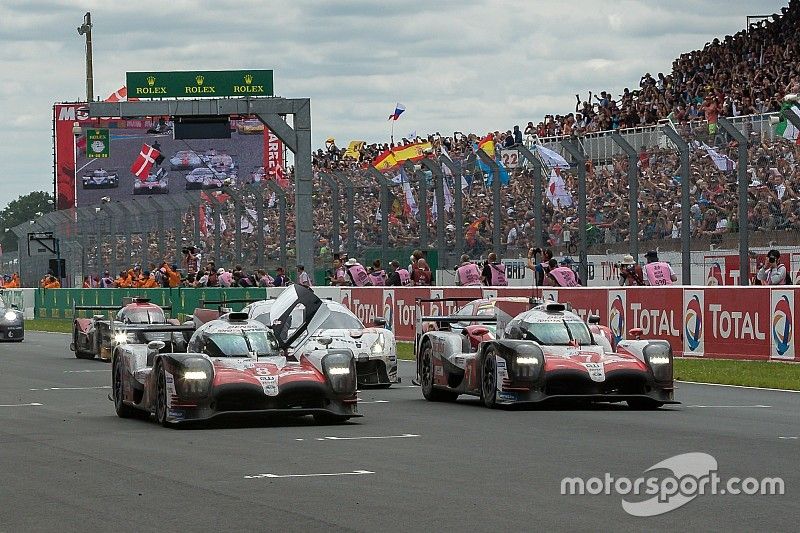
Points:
(557, 191)
(552, 159)
(410, 201)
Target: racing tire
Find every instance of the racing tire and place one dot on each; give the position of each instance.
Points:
(489, 379)
(123, 410)
(327, 419)
(431, 393)
(161, 398)
(78, 353)
(643, 404)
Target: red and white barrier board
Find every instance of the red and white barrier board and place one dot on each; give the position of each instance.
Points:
(713, 322)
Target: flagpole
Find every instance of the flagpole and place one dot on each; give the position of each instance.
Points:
(392, 136)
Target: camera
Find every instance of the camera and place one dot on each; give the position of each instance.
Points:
(186, 250)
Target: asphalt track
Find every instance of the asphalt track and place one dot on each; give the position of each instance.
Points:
(67, 463)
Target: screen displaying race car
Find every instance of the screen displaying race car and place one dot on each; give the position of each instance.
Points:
(544, 353)
(137, 322)
(238, 366)
(206, 178)
(185, 160)
(12, 323)
(100, 179)
(157, 182)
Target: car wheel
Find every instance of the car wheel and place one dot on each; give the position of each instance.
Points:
(431, 393)
(489, 379)
(327, 419)
(117, 387)
(80, 354)
(643, 404)
(161, 397)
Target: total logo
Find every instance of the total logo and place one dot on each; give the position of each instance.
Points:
(693, 323)
(616, 316)
(782, 334)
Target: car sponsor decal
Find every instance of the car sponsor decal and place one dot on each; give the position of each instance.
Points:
(596, 371)
(502, 373)
(269, 384)
(507, 396)
(171, 392)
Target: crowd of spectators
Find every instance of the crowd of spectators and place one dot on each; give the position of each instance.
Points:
(742, 74)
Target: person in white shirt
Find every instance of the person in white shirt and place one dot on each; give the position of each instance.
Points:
(772, 272)
(302, 277)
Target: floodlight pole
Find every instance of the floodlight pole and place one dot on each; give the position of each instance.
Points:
(86, 29)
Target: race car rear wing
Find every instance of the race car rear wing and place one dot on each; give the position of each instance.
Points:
(151, 328)
(452, 319)
(224, 302)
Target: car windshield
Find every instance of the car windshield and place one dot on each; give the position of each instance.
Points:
(240, 344)
(559, 333)
(340, 320)
(143, 316)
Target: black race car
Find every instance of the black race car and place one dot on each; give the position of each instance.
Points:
(12, 325)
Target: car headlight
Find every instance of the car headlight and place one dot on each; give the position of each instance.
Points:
(379, 345)
(195, 378)
(658, 355)
(121, 337)
(527, 362)
(340, 369)
(194, 374)
(10, 315)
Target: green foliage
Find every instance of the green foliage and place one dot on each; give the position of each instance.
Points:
(23, 209)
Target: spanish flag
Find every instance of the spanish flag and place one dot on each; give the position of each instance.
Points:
(409, 152)
(487, 145)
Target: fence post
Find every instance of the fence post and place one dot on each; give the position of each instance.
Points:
(743, 182)
(385, 184)
(580, 158)
(686, 225)
(349, 189)
(633, 192)
(280, 195)
(336, 210)
(438, 183)
(494, 168)
(458, 199)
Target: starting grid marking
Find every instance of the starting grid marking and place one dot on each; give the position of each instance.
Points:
(274, 476)
(75, 388)
(403, 436)
(789, 438)
(34, 404)
(732, 406)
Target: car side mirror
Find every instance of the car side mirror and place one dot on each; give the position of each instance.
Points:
(98, 317)
(379, 322)
(14, 306)
(155, 346)
(594, 319)
(325, 341)
(636, 333)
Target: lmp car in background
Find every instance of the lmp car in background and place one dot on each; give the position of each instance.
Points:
(185, 160)
(138, 322)
(250, 126)
(206, 178)
(100, 179)
(156, 183)
(12, 323)
(545, 353)
(336, 327)
(235, 365)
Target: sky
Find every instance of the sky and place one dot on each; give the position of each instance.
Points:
(457, 65)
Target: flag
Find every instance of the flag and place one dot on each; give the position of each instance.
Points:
(784, 128)
(448, 198)
(401, 177)
(411, 135)
(485, 168)
(504, 177)
(411, 202)
(409, 152)
(354, 150)
(557, 191)
(551, 159)
(398, 110)
(147, 157)
(120, 95)
(487, 145)
(722, 162)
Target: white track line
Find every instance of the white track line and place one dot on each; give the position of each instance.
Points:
(20, 405)
(360, 401)
(76, 388)
(789, 438)
(732, 406)
(85, 371)
(736, 386)
(273, 476)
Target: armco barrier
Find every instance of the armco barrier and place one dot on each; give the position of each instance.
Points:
(714, 322)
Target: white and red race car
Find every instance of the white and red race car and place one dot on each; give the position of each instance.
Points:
(544, 353)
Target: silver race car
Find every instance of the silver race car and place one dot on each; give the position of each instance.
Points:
(100, 179)
(185, 160)
(156, 183)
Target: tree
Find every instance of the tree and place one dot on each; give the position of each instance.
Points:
(23, 209)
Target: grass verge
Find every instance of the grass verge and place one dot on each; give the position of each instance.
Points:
(53, 325)
(769, 374)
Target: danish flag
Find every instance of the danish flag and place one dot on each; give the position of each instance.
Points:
(147, 157)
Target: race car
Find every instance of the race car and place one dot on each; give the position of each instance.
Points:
(206, 178)
(235, 365)
(250, 126)
(138, 322)
(545, 353)
(337, 327)
(156, 183)
(12, 323)
(100, 179)
(222, 163)
(185, 160)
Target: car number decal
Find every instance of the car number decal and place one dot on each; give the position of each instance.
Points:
(269, 384)
(596, 371)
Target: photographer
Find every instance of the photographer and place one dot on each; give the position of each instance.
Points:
(772, 273)
(191, 259)
(630, 272)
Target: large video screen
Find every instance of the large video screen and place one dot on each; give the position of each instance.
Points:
(184, 165)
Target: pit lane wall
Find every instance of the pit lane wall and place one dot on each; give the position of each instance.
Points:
(715, 322)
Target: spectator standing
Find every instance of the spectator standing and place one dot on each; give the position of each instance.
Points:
(338, 276)
(377, 277)
(280, 277)
(398, 277)
(540, 270)
(303, 277)
(422, 274)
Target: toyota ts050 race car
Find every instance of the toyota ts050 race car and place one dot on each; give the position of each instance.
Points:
(185, 160)
(374, 348)
(206, 178)
(544, 353)
(100, 179)
(235, 365)
(12, 324)
(156, 183)
(137, 322)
